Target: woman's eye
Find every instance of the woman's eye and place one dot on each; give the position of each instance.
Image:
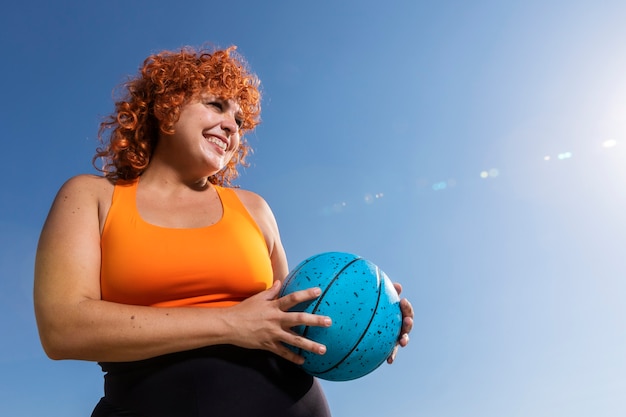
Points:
(219, 105)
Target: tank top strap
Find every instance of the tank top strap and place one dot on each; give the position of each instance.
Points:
(122, 201)
(231, 203)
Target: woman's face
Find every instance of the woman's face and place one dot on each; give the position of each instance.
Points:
(206, 135)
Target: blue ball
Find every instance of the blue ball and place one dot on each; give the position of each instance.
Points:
(363, 305)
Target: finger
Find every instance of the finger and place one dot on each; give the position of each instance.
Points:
(303, 343)
(286, 353)
(398, 287)
(407, 308)
(407, 316)
(407, 325)
(293, 319)
(403, 341)
(272, 292)
(297, 297)
(392, 357)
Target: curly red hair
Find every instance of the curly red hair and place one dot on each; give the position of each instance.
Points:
(153, 99)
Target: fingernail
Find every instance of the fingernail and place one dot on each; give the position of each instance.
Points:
(322, 350)
(328, 321)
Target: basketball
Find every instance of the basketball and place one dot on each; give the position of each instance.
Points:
(363, 305)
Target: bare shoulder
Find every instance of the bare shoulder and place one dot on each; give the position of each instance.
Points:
(251, 200)
(89, 193)
(87, 184)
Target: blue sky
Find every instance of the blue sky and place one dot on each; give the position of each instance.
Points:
(476, 151)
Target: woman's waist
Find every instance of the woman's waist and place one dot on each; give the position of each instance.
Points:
(228, 353)
(212, 373)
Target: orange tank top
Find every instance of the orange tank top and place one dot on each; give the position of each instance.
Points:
(213, 266)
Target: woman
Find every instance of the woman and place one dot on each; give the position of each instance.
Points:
(125, 259)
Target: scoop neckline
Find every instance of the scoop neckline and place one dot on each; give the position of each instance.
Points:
(145, 222)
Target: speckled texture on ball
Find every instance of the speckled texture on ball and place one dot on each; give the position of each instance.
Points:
(364, 307)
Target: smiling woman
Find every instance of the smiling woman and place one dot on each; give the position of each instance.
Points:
(154, 100)
(168, 277)
(206, 135)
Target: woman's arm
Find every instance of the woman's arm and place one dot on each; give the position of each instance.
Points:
(264, 218)
(74, 323)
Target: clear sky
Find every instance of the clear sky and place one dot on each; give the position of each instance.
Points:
(474, 150)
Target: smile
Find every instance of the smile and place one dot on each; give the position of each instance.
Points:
(218, 142)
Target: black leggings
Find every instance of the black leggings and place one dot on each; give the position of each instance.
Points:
(218, 381)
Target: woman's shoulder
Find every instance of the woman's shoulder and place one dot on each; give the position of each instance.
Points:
(89, 179)
(256, 205)
(88, 184)
(86, 189)
(89, 193)
(253, 202)
(247, 196)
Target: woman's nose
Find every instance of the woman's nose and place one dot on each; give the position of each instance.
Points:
(229, 123)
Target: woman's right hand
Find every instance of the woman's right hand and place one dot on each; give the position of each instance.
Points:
(264, 321)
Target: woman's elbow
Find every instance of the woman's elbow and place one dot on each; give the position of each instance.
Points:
(54, 345)
(55, 335)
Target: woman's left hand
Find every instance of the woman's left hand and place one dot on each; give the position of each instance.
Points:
(407, 324)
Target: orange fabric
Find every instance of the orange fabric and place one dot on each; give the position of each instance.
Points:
(214, 266)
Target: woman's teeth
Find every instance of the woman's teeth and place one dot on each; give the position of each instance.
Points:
(218, 142)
